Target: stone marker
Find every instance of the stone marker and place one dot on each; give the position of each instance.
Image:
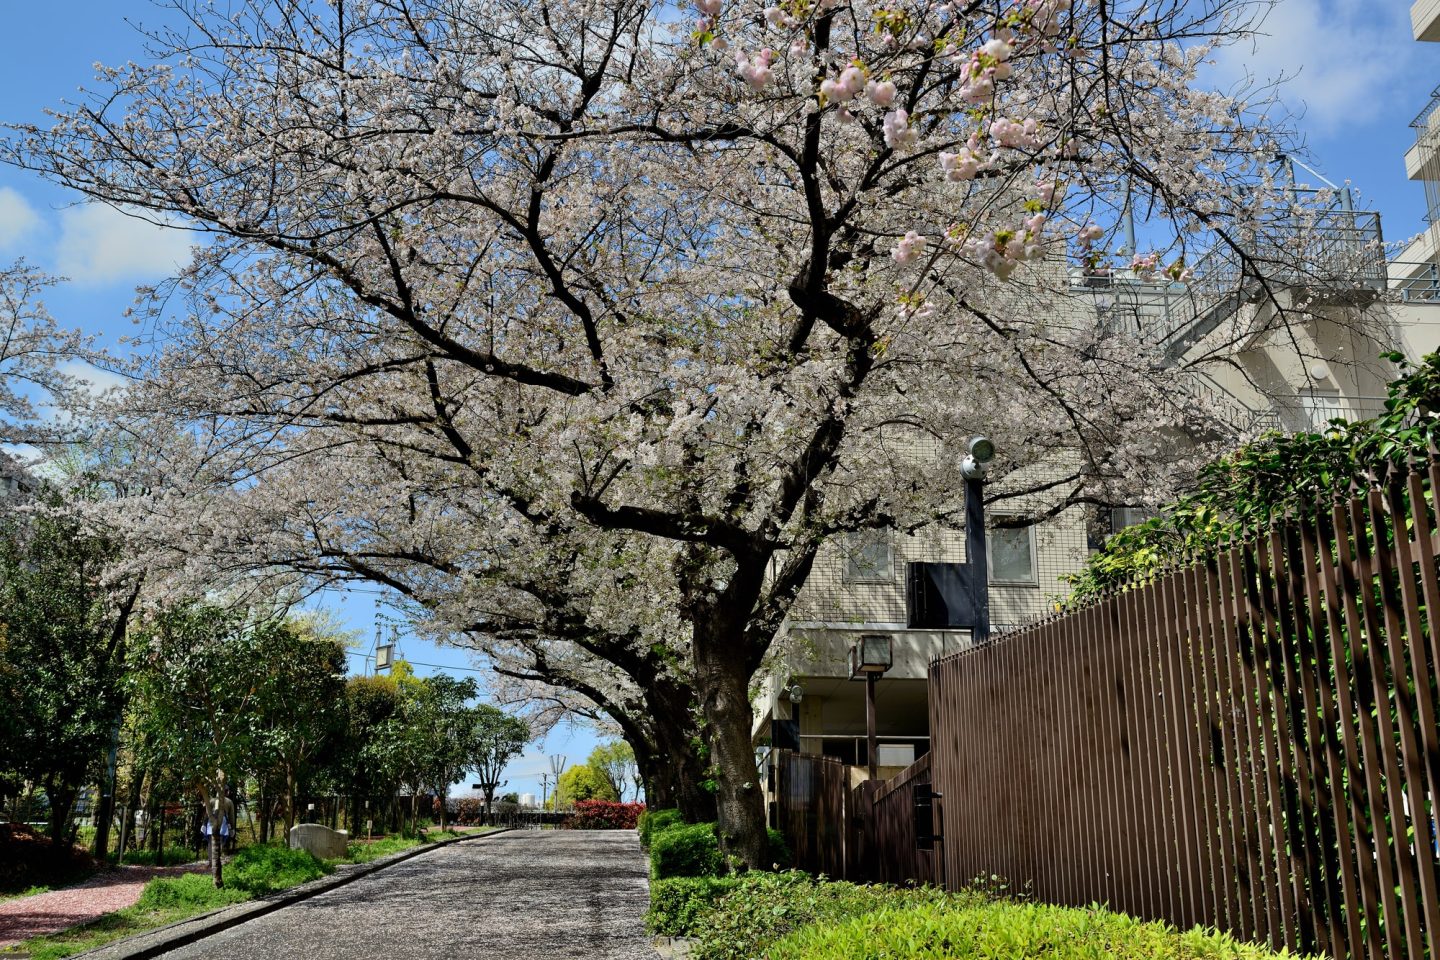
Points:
(325, 843)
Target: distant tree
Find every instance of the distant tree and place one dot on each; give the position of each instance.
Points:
(615, 761)
(493, 739)
(301, 682)
(365, 762)
(63, 628)
(584, 782)
(200, 689)
(424, 737)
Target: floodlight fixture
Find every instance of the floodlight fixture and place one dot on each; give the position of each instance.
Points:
(981, 452)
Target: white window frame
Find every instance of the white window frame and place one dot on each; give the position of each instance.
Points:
(1034, 578)
(854, 543)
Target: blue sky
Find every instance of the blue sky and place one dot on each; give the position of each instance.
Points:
(1358, 81)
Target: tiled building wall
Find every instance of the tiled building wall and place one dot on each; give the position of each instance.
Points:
(829, 597)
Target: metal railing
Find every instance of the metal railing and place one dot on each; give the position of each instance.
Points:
(1419, 283)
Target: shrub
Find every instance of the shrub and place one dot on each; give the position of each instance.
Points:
(188, 892)
(942, 930)
(763, 907)
(679, 905)
(603, 815)
(685, 850)
(652, 822)
(269, 867)
(467, 810)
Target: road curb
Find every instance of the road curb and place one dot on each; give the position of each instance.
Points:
(152, 943)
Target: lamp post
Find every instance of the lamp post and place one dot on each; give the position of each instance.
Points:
(973, 468)
(871, 656)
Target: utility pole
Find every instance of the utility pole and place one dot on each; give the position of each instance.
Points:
(544, 790)
(557, 767)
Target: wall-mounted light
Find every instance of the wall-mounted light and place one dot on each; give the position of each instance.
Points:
(1318, 371)
(794, 693)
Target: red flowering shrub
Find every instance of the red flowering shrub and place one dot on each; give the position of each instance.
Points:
(603, 815)
(468, 810)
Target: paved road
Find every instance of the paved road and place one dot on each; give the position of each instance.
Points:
(528, 895)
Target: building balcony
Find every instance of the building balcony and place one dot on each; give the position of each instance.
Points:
(1425, 19)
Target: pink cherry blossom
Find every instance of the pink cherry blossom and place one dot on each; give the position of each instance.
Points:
(899, 135)
(881, 92)
(909, 249)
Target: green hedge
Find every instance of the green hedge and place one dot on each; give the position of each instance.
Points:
(685, 850)
(942, 931)
(679, 905)
(693, 850)
(654, 821)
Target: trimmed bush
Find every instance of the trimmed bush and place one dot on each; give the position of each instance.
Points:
(652, 822)
(763, 907)
(604, 815)
(944, 931)
(679, 905)
(685, 850)
(269, 867)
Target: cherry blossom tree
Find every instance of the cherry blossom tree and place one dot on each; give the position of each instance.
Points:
(648, 302)
(32, 349)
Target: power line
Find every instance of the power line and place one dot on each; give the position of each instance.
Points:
(420, 663)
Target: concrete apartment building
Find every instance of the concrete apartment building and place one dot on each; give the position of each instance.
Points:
(1415, 273)
(1282, 381)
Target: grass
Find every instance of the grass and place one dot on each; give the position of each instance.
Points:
(255, 871)
(165, 900)
(171, 855)
(374, 850)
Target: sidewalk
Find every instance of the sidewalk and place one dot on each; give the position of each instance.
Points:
(25, 917)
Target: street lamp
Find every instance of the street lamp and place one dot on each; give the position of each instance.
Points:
(872, 655)
(973, 468)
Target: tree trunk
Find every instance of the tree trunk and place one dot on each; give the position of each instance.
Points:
(678, 754)
(62, 805)
(263, 805)
(289, 801)
(723, 680)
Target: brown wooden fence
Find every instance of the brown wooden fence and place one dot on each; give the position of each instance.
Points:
(887, 828)
(1248, 742)
(813, 803)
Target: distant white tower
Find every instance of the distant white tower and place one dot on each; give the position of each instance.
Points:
(528, 800)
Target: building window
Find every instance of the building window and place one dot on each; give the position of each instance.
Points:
(1012, 555)
(869, 558)
(1122, 517)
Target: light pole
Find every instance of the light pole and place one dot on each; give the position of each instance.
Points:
(871, 656)
(973, 468)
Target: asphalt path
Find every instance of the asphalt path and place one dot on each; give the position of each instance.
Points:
(525, 895)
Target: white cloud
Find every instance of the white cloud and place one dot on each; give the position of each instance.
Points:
(1344, 55)
(18, 220)
(100, 244)
(97, 381)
